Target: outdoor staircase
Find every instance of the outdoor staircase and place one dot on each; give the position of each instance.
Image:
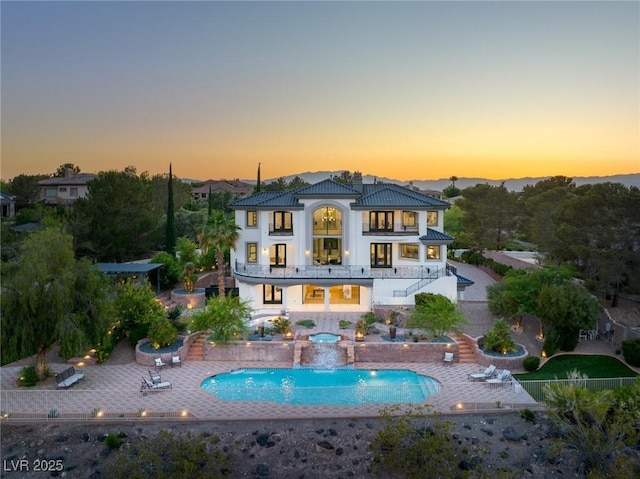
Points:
(465, 353)
(196, 350)
(165, 300)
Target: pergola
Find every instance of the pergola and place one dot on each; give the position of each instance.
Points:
(130, 269)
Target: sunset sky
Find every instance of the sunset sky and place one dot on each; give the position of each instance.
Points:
(406, 90)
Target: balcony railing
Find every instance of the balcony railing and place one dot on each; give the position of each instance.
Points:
(394, 229)
(336, 272)
(280, 230)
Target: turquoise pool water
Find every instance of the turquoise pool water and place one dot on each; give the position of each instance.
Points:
(324, 338)
(344, 387)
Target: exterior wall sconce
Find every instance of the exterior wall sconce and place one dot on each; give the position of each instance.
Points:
(265, 251)
(307, 252)
(346, 252)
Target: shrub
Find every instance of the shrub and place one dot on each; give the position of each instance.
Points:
(499, 338)
(531, 363)
(162, 333)
(28, 376)
(171, 273)
(112, 441)
(170, 456)
(306, 323)
(631, 351)
(528, 414)
(551, 343)
(344, 324)
(281, 325)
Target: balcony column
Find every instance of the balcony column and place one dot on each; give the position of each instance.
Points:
(326, 298)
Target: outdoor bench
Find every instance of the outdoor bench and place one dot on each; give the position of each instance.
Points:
(68, 377)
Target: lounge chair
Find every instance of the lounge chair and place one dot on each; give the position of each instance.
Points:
(483, 375)
(155, 377)
(503, 378)
(175, 360)
(147, 384)
(159, 363)
(448, 358)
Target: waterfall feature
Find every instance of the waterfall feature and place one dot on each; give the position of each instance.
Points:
(324, 355)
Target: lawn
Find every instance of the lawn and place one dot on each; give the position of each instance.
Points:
(593, 366)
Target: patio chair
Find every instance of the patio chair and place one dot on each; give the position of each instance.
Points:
(148, 385)
(503, 378)
(175, 360)
(159, 364)
(483, 375)
(448, 359)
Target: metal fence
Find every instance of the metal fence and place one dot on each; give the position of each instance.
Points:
(536, 388)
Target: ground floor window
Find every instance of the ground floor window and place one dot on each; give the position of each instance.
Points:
(410, 251)
(338, 294)
(433, 252)
(271, 294)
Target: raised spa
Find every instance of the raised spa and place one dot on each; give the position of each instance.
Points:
(324, 338)
(343, 387)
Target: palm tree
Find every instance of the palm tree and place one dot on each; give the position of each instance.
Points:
(220, 232)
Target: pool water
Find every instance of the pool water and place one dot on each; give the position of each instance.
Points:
(324, 338)
(344, 387)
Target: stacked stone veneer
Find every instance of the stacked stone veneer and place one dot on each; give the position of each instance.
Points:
(500, 362)
(268, 351)
(409, 352)
(148, 359)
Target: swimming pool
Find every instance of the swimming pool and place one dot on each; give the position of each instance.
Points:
(344, 387)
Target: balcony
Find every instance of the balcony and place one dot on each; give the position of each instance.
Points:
(280, 230)
(335, 272)
(395, 229)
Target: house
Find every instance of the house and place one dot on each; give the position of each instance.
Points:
(236, 187)
(337, 247)
(8, 205)
(65, 189)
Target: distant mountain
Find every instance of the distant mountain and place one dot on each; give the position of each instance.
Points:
(512, 184)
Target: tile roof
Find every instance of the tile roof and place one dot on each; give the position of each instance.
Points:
(326, 188)
(378, 195)
(435, 237)
(79, 179)
(388, 195)
(462, 281)
(267, 200)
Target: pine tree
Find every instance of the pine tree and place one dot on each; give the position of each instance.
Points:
(171, 226)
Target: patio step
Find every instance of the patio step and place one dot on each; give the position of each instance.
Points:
(465, 353)
(196, 350)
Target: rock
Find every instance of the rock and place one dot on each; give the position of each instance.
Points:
(487, 431)
(510, 434)
(262, 470)
(324, 446)
(263, 439)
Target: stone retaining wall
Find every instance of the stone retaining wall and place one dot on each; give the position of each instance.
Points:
(275, 351)
(148, 359)
(409, 352)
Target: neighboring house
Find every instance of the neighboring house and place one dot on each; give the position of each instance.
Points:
(337, 247)
(65, 189)
(8, 205)
(236, 187)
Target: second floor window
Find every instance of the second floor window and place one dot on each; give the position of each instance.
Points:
(73, 192)
(381, 255)
(252, 252)
(282, 221)
(252, 219)
(381, 221)
(432, 218)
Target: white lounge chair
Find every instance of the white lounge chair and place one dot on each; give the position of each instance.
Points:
(147, 384)
(175, 360)
(448, 358)
(503, 378)
(483, 375)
